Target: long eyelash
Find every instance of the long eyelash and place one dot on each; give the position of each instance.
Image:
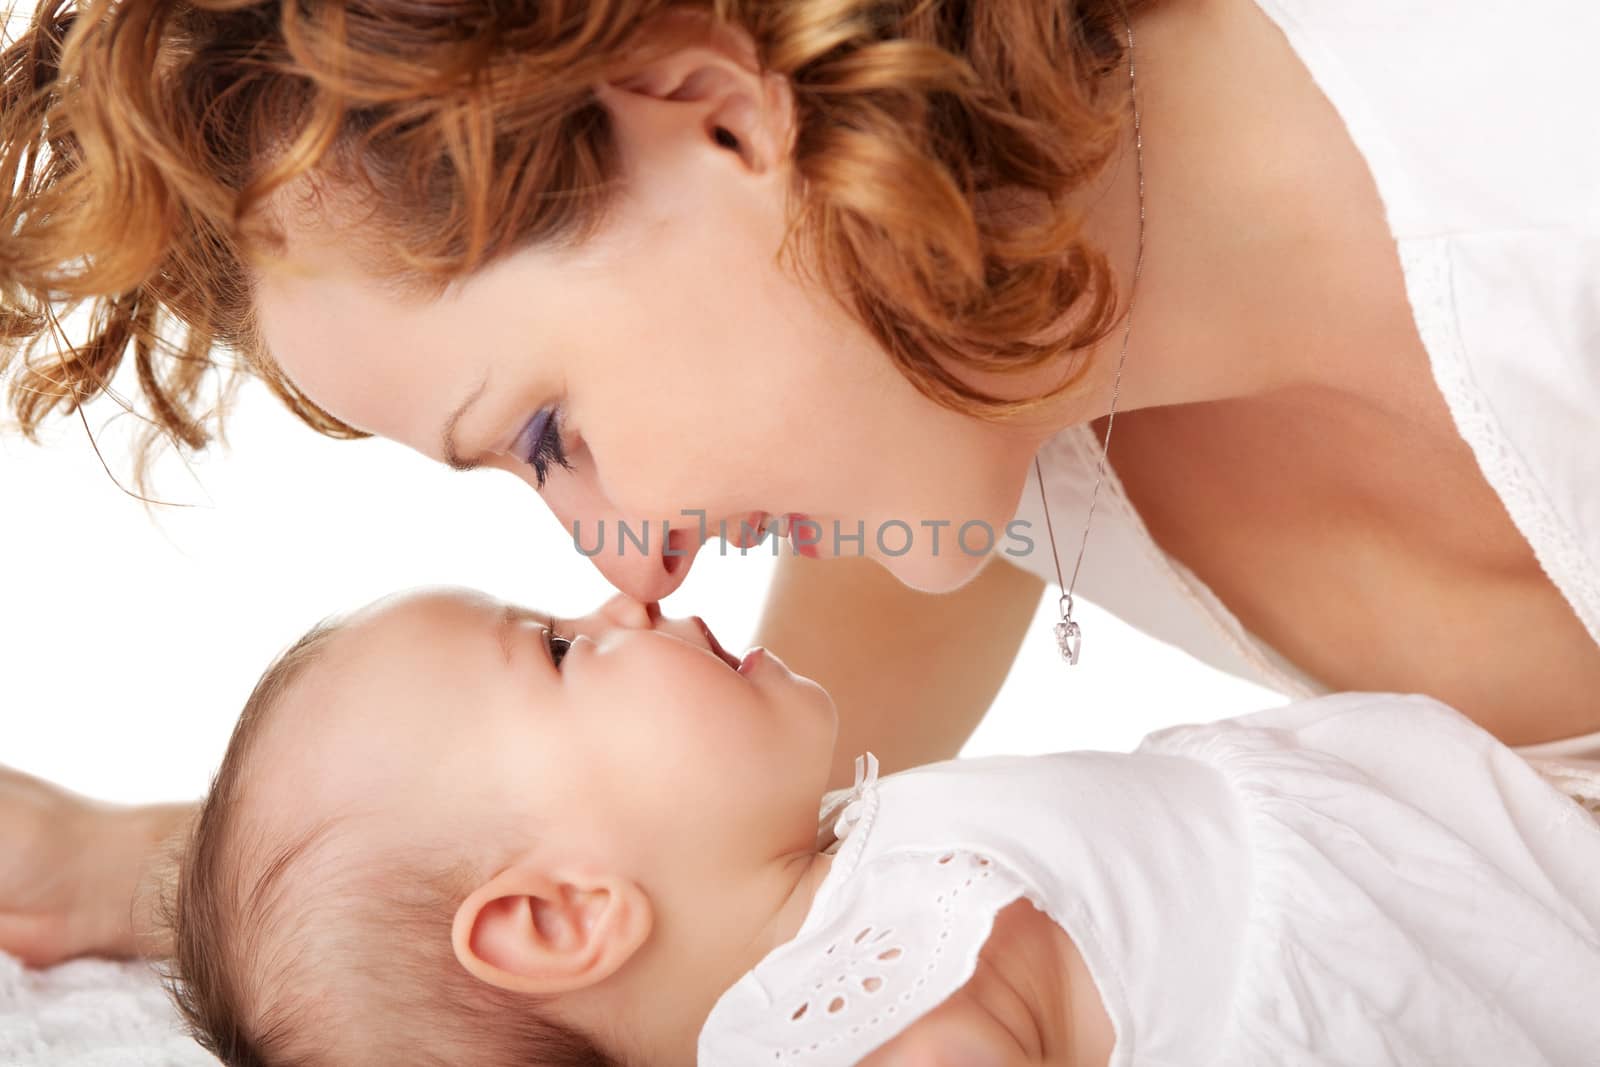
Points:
(548, 449)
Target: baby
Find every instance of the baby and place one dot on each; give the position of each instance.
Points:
(445, 834)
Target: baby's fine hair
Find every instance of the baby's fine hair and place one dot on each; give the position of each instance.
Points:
(286, 954)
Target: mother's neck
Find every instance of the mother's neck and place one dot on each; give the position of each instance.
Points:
(1212, 320)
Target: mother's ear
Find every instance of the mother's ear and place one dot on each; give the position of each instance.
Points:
(709, 94)
(531, 930)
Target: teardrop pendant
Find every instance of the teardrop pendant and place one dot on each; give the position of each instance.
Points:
(1069, 638)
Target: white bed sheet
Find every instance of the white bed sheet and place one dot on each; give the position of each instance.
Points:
(90, 1013)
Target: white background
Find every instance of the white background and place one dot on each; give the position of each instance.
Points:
(129, 637)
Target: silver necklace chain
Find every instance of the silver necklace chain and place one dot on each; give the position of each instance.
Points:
(1069, 635)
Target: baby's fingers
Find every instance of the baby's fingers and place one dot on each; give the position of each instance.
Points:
(958, 1033)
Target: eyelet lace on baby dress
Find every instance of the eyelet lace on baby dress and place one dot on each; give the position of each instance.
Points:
(886, 944)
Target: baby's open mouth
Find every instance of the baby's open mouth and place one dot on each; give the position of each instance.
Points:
(716, 646)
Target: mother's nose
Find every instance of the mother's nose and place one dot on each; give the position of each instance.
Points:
(646, 574)
(645, 558)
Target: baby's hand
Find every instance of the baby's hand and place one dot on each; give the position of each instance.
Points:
(1030, 1001)
(70, 868)
(961, 1032)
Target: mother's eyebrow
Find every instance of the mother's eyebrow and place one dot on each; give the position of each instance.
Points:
(447, 435)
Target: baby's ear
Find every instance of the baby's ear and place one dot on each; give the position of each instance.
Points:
(531, 929)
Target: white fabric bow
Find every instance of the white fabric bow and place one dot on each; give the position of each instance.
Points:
(866, 778)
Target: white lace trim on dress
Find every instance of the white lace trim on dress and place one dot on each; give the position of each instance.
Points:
(1426, 265)
(906, 934)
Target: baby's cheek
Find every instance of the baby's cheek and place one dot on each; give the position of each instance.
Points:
(658, 748)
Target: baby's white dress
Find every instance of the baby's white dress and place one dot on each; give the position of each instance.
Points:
(1359, 879)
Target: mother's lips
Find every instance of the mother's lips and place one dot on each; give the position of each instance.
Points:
(716, 646)
(802, 533)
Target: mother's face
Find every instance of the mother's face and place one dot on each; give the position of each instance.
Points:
(670, 361)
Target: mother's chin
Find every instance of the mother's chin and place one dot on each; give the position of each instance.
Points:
(944, 571)
(944, 555)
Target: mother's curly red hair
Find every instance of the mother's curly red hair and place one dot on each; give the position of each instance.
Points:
(138, 138)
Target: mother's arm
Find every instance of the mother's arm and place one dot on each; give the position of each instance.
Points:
(71, 868)
(912, 673)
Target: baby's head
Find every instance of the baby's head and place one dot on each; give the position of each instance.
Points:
(439, 836)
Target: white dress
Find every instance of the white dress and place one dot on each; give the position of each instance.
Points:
(1361, 879)
(1478, 121)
